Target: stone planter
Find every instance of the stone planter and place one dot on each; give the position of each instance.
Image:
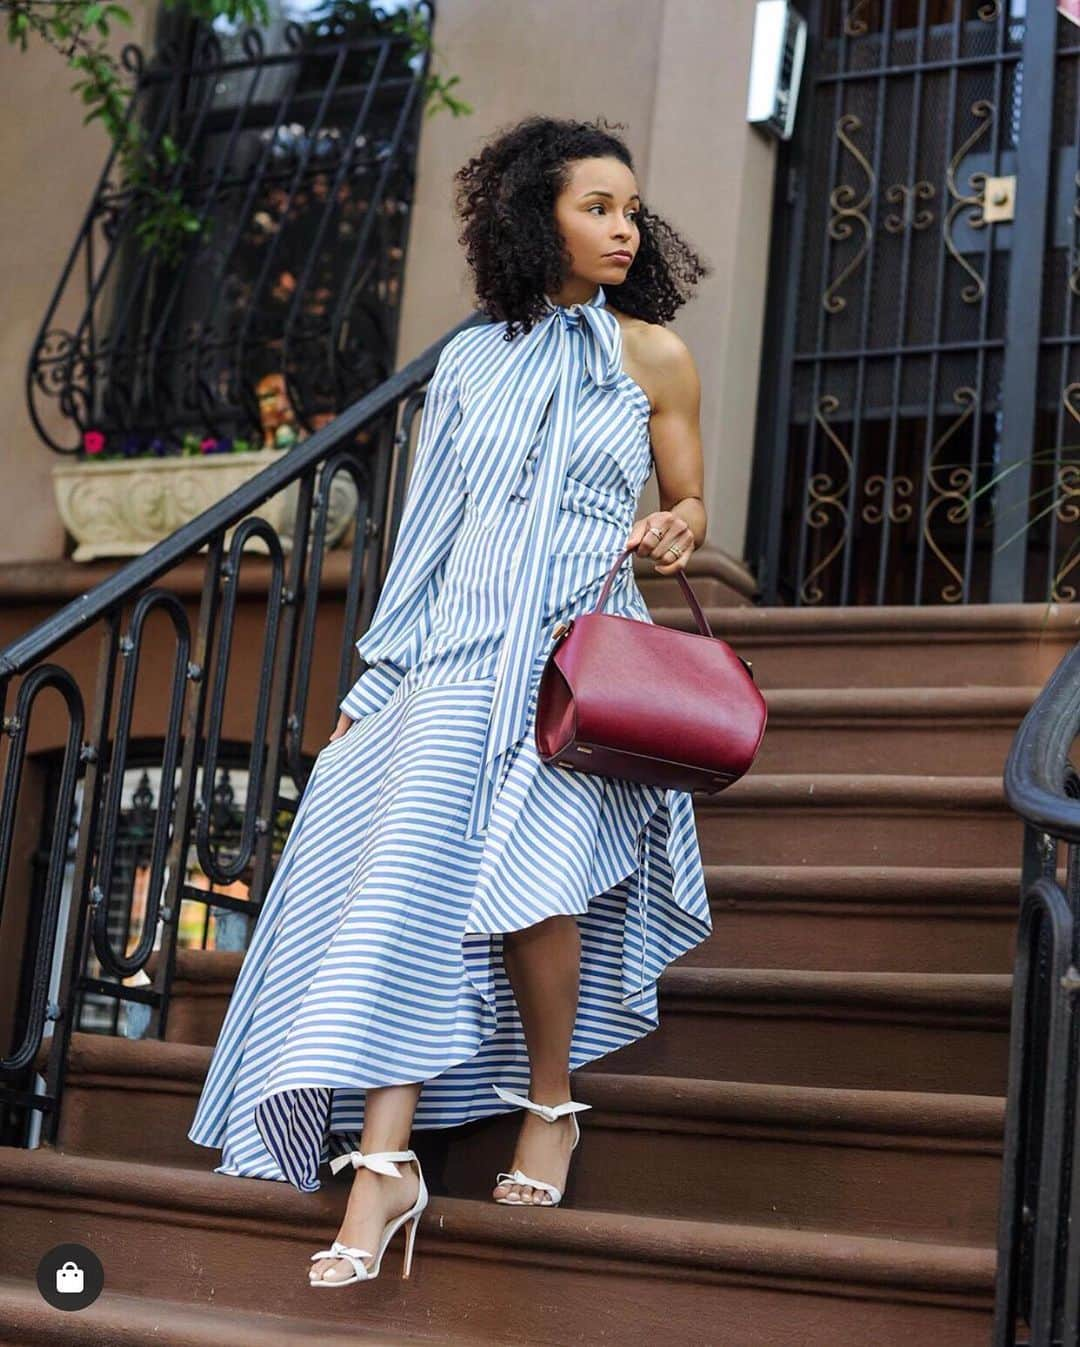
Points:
(121, 508)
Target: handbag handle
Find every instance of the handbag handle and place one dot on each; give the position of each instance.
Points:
(688, 593)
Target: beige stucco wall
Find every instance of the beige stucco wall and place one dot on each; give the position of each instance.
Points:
(714, 175)
(51, 163)
(673, 72)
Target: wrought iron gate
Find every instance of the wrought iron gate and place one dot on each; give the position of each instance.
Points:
(919, 427)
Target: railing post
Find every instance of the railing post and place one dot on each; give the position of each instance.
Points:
(1019, 382)
(77, 935)
(194, 713)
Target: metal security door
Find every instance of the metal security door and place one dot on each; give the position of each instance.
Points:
(922, 381)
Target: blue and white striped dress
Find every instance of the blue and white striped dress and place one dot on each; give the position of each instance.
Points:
(377, 958)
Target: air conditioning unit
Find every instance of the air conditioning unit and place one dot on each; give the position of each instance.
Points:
(776, 65)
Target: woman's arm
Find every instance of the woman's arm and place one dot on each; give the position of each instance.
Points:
(675, 432)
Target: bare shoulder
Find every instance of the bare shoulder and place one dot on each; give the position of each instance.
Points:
(659, 360)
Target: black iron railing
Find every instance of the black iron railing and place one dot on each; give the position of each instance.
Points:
(1038, 1279)
(368, 443)
(294, 153)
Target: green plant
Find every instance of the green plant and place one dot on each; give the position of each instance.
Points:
(437, 89)
(1067, 477)
(79, 31)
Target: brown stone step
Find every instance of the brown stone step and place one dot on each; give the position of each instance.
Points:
(843, 1030)
(843, 819)
(118, 1320)
(873, 918)
(852, 1029)
(962, 731)
(133, 1099)
(864, 1162)
(1005, 644)
(877, 918)
(871, 1162)
(560, 1276)
(203, 982)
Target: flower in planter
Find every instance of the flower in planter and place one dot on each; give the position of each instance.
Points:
(276, 415)
(196, 445)
(93, 441)
(131, 446)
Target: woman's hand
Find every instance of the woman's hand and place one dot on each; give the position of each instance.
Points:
(664, 536)
(339, 729)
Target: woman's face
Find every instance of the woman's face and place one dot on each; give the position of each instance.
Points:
(597, 217)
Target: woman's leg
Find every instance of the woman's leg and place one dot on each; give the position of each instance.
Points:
(377, 1198)
(543, 963)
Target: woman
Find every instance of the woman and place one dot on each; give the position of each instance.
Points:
(454, 925)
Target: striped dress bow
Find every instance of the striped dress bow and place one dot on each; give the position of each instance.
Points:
(571, 342)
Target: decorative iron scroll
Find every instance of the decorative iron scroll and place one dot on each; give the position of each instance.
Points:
(825, 501)
(1065, 508)
(908, 194)
(856, 26)
(953, 491)
(891, 489)
(846, 210)
(970, 294)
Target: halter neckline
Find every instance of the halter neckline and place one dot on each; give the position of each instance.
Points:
(597, 301)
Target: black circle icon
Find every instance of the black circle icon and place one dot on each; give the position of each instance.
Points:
(70, 1277)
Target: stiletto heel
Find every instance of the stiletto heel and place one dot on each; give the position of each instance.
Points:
(410, 1240)
(550, 1113)
(382, 1163)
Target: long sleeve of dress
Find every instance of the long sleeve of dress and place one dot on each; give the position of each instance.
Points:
(431, 516)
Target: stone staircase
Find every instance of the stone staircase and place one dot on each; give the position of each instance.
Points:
(804, 1154)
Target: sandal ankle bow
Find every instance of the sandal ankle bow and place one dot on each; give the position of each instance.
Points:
(550, 1113)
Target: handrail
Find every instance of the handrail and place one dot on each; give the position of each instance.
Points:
(26, 651)
(81, 908)
(1038, 761)
(1038, 1244)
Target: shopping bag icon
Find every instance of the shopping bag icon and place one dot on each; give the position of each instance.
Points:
(69, 1277)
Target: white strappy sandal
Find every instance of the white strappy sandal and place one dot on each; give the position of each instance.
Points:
(549, 1112)
(382, 1163)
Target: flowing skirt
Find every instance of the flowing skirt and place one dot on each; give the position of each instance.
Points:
(377, 957)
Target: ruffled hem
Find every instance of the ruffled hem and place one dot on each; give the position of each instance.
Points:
(622, 858)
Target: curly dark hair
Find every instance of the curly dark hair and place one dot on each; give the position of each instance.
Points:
(506, 196)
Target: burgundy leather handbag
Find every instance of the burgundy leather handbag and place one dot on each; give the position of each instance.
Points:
(622, 697)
